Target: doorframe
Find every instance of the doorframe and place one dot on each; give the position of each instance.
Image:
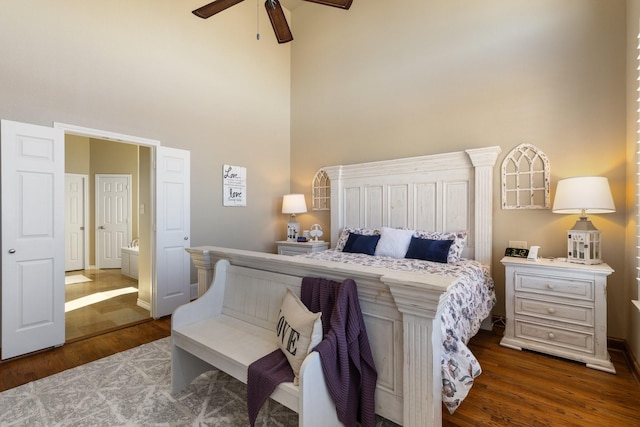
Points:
(153, 144)
(85, 218)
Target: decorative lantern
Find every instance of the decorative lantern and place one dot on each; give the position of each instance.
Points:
(584, 245)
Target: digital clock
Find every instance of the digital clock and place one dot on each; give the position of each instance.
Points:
(517, 252)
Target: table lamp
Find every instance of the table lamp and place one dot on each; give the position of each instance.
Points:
(293, 204)
(584, 195)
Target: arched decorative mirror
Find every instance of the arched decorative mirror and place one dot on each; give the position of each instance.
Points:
(525, 179)
(321, 191)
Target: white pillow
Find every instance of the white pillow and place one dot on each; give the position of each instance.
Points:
(394, 242)
(298, 331)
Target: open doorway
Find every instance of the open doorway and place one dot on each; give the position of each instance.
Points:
(33, 276)
(102, 296)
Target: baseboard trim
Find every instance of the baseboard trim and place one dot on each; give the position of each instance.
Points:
(143, 304)
(633, 363)
(616, 344)
(621, 345)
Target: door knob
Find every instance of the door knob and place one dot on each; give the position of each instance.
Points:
(101, 227)
(186, 238)
(12, 251)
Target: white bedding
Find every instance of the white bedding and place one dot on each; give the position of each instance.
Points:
(469, 302)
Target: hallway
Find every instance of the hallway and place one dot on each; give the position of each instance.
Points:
(100, 301)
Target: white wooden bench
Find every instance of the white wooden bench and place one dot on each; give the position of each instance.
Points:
(233, 325)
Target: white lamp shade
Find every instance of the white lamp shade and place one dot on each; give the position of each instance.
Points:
(583, 195)
(293, 204)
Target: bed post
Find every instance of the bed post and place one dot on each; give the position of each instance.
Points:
(483, 160)
(205, 266)
(422, 337)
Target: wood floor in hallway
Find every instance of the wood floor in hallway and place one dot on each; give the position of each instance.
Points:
(106, 302)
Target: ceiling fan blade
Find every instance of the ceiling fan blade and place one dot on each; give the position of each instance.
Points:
(278, 21)
(342, 4)
(208, 10)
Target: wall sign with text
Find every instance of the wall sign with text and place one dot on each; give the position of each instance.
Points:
(234, 183)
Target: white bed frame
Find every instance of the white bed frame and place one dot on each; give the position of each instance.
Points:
(442, 192)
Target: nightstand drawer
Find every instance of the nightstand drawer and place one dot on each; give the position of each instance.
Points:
(557, 337)
(558, 286)
(292, 251)
(552, 310)
(297, 248)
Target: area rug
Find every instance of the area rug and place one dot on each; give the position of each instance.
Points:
(133, 388)
(76, 278)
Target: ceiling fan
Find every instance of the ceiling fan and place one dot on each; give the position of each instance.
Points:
(274, 10)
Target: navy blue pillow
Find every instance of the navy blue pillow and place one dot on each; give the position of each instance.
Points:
(429, 250)
(361, 244)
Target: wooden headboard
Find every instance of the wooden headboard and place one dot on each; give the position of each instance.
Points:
(439, 192)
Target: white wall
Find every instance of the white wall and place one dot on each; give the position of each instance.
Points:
(150, 68)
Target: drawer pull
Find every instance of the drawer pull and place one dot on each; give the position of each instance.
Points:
(551, 336)
(551, 310)
(550, 286)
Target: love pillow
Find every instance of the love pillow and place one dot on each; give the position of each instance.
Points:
(298, 331)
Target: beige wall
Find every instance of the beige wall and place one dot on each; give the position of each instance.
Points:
(633, 29)
(440, 75)
(76, 155)
(152, 69)
(89, 157)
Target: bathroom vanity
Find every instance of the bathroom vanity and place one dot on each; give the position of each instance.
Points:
(129, 265)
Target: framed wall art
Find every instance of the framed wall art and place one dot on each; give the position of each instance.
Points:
(234, 185)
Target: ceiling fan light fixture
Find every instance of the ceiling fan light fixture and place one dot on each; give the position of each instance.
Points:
(274, 10)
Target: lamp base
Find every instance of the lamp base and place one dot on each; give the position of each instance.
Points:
(584, 244)
(293, 231)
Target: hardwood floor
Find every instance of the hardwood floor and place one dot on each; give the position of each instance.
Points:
(15, 372)
(522, 388)
(515, 388)
(116, 310)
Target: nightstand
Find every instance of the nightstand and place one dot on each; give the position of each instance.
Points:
(558, 308)
(286, 247)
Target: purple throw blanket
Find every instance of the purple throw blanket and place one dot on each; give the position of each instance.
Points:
(263, 376)
(345, 355)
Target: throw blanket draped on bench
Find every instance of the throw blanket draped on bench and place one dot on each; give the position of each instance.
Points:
(346, 357)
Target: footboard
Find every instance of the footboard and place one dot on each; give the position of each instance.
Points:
(401, 312)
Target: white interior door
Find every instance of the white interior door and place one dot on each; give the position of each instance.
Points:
(173, 228)
(113, 213)
(75, 220)
(32, 174)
